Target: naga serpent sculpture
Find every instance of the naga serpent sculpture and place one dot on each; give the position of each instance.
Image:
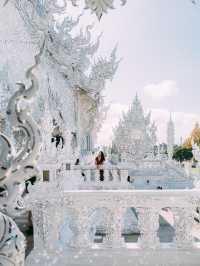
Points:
(14, 170)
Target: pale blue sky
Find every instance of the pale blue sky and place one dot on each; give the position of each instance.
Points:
(159, 41)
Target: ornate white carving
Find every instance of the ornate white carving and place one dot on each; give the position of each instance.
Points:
(82, 204)
(81, 237)
(114, 227)
(71, 57)
(135, 136)
(45, 9)
(12, 245)
(71, 61)
(15, 168)
(101, 6)
(22, 166)
(148, 223)
(183, 222)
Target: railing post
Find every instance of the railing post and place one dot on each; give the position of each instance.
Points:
(50, 224)
(124, 176)
(114, 225)
(106, 176)
(97, 177)
(148, 223)
(183, 223)
(81, 229)
(38, 225)
(93, 175)
(86, 175)
(46, 221)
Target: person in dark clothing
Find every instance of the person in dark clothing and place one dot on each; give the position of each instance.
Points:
(77, 161)
(58, 140)
(32, 180)
(57, 135)
(99, 161)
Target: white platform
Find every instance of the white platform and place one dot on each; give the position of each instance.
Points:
(122, 257)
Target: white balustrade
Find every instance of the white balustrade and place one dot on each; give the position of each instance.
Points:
(47, 218)
(92, 178)
(116, 177)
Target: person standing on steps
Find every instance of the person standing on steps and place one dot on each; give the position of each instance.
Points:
(99, 162)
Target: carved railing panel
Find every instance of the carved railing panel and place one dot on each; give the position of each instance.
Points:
(114, 225)
(91, 178)
(81, 233)
(147, 203)
(148, 223)
(183, 222)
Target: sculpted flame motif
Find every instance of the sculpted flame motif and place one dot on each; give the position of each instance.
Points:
(101, 6)
(23, 164)
(15, 169)
(45, 9)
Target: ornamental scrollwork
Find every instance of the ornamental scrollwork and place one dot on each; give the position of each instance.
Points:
(15, 168)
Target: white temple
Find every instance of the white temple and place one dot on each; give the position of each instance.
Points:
(144, 211)
(135, 135)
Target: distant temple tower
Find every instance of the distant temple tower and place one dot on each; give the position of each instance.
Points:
(170, 137)
(135, 135)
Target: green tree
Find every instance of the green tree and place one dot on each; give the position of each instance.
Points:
(182, 153)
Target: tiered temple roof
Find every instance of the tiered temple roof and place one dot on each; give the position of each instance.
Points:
(135, 135)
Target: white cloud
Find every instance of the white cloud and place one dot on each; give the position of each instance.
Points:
(159, 91)
(184, 122)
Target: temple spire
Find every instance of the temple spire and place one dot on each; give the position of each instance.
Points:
(135, 135)
(170, 137)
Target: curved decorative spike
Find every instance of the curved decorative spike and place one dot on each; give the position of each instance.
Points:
(22, 166)
(93, 49)
(76, 22)
(99, 6)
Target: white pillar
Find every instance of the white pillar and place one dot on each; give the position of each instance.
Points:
(148, 223)
(47, 218)
(183, 223)
(124, 177)
(114, 227)
(38, 227)
(81, 229)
